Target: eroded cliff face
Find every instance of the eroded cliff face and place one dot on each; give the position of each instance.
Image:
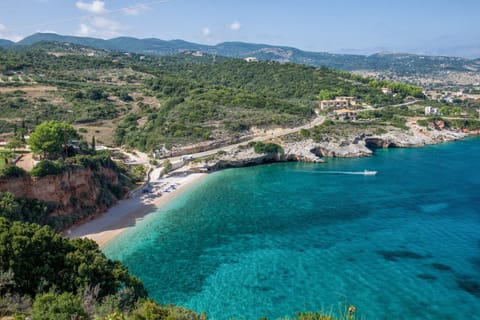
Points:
(79, 191)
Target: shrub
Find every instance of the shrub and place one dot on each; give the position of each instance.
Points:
(304, 133)
(380, 131)
(47, 167)
(139, 172)
(423, 123)
(167, 166)
(14, 305)
(150, 310)
(399, 122)
(262, 148)
(13, 171)
(125, 97)
(66, 306)
(40, 259)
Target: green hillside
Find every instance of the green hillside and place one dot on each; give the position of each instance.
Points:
(154, 100)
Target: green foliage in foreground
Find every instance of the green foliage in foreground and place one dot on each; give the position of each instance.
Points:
(48, 277)
(65, 306)
(38, 260)
(25, 210)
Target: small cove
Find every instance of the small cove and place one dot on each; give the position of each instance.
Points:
(275, 239)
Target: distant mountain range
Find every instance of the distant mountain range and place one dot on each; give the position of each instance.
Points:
(400, 64)
(6, 43)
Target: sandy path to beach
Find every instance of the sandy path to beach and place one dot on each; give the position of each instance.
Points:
(128, 212)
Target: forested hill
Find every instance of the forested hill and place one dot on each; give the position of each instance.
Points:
(153, 100)
(6, 43)
(400, 64)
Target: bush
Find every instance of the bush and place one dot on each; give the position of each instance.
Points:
(40, 259)
(150, 310)
(13, 172)
(262, 148)
(125, 97)
(139, 172)
(399, 122)
(14, 305)
(304, 133)
(423, 123)
(47, 167)
(66, 306)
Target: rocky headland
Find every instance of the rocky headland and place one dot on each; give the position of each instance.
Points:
(307, 150)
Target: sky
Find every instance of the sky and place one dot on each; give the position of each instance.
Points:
(438, 27)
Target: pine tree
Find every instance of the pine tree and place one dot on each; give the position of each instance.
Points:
(93, 144)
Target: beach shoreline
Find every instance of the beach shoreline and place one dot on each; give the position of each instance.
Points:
(128, 212)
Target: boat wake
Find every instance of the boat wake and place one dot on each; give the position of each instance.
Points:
(361, 173)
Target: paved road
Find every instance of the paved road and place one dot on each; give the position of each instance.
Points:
(397, 105)
(271, 134)
(266, 136)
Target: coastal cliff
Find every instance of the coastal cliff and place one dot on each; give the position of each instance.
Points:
(74, 194)
(307, 150)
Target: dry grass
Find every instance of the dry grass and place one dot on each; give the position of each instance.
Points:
(35, 91)
(102, 130)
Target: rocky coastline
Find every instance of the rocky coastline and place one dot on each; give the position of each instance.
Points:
(307, 150)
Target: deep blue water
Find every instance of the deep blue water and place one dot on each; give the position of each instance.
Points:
(275, 239)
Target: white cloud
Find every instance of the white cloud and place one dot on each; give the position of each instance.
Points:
(96, 7)
(85, 30)
(2, 28)
(101, 27)
(206, 31)
(235, 26)
(135, 10)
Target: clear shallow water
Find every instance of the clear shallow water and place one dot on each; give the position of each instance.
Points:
(275, 239)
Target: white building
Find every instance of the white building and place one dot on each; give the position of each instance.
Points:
(431, 111)
(338, 102)
(387, 91)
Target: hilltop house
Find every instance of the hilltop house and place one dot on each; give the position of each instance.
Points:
(346, 114)
(431, 111)
(387, 91)
(338, 102)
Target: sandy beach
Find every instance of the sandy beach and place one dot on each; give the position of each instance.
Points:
(126, 213)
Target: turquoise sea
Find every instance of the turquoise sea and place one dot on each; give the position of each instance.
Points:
(275, 239)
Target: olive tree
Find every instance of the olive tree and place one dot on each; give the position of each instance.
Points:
(51, 138)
